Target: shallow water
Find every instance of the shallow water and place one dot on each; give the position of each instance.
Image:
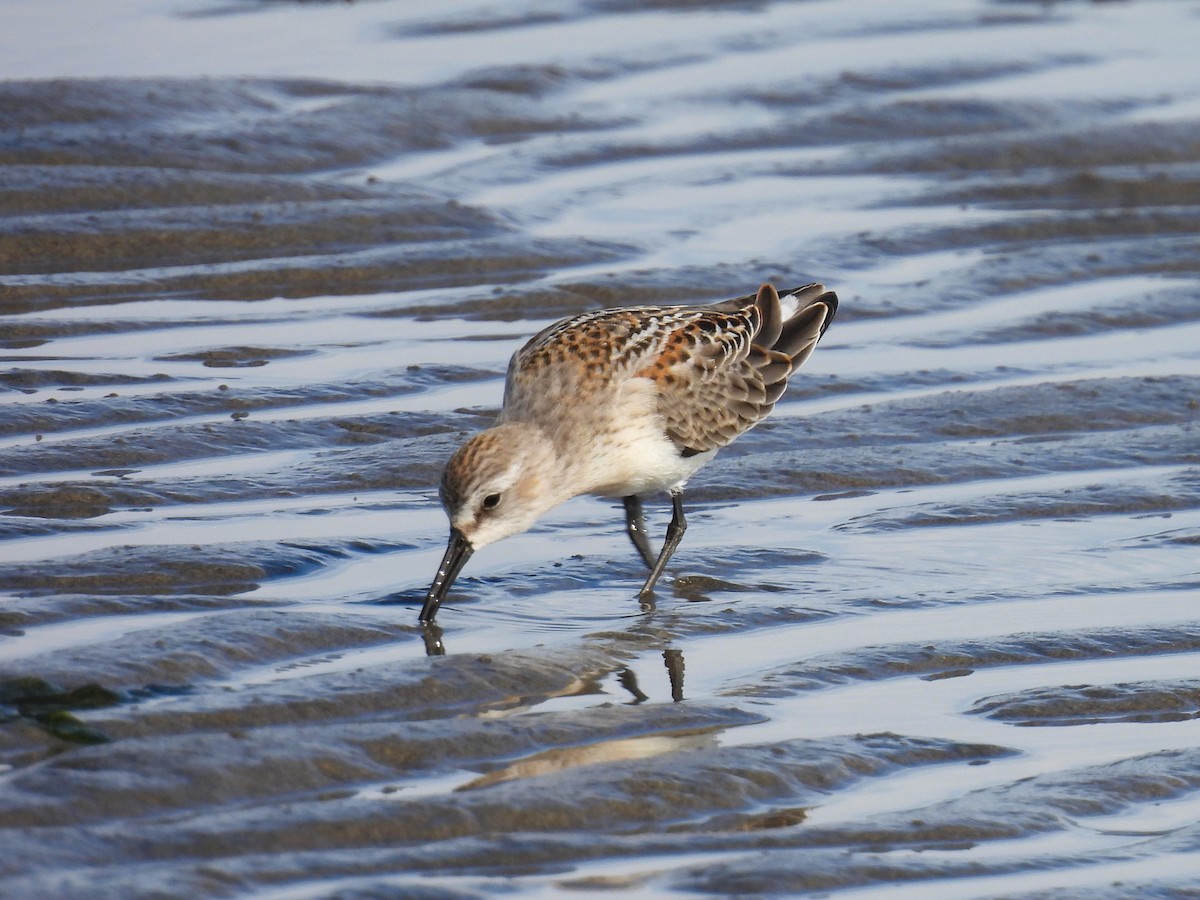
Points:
(932, 630)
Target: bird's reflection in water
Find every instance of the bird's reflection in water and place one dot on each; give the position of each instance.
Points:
(672, 659)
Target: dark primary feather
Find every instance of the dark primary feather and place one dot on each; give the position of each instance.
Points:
(741, 391)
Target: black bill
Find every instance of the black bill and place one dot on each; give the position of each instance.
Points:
(457, 553)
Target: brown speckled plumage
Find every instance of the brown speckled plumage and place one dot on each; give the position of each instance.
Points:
(623, 402)
(715, 375)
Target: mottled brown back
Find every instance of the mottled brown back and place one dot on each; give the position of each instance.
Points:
(719, 369)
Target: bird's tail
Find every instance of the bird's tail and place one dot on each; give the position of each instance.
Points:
(790, 329)
(793, 323)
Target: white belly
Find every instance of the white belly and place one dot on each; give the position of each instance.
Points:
(634, 455)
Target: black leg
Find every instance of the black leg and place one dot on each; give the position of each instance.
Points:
(635, 525)
(674, 535)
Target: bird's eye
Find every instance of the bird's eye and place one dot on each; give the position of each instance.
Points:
(491, 501)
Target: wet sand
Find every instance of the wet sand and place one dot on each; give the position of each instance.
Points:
(933, 628)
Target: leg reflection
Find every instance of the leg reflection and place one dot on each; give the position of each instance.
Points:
(433, 639)
(673, 659)
(629, 681)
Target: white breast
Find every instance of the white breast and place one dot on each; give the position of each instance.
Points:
(633, 455)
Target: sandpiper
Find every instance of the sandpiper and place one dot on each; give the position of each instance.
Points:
(620, 403)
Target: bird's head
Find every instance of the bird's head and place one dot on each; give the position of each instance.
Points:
(495, 485)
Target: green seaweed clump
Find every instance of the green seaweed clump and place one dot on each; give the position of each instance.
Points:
(49, 706)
